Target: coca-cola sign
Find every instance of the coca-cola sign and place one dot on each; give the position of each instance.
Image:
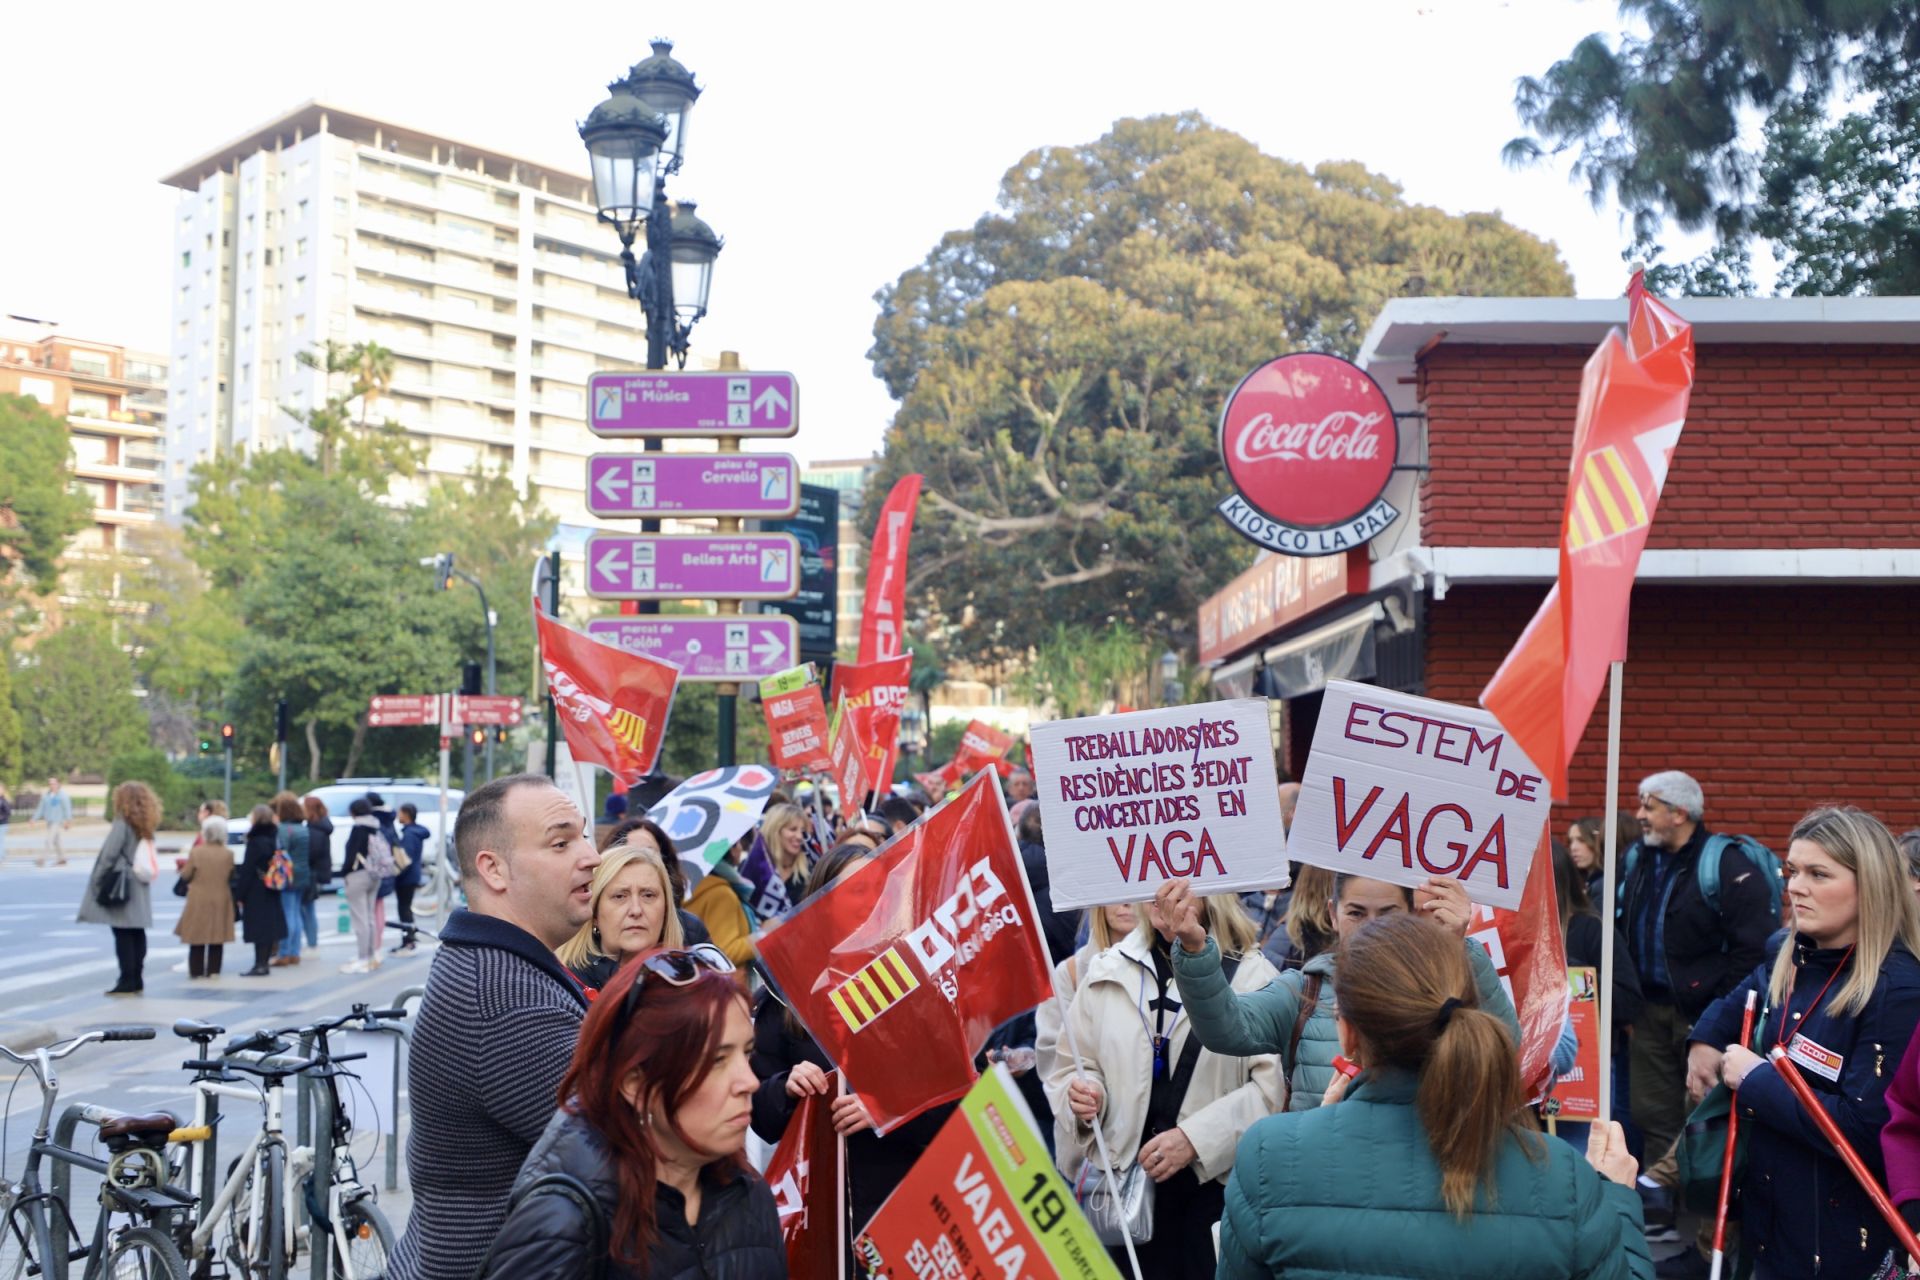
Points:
(1310, 443)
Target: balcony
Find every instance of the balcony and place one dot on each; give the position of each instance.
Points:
(114, 427)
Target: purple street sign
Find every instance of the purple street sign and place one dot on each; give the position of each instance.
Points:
(693, 484)
(694, 404)
(743, 648)
(741, 566)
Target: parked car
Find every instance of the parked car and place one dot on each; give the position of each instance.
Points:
(418, 792)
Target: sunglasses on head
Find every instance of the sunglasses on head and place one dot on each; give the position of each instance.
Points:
(676, 968)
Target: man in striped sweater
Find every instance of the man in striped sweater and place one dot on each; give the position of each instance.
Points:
(498, 1023)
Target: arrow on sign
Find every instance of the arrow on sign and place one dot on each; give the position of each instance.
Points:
(770, 648)
(610, 484)
(611, 563)
(771, 401)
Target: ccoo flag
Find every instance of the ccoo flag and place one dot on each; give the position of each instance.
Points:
(808, 1180)
(904, 967)
(876, 693)
(1633, 404)
(612, 705)
(883, 621)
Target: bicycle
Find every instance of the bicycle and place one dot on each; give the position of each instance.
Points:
(260, 1201)
(134, 1186)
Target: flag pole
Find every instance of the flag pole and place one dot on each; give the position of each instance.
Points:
(1099, 1130)
(1610, 888)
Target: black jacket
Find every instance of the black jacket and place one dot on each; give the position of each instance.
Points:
(262, 919)
(1057, 927)
(1583, 950)
(320, 851)
(1707, 954)
(564, 1204)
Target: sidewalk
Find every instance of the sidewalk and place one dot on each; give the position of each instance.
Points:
(29, 840)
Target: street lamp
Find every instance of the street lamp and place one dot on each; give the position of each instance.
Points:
(445, 573)
(1169, 678)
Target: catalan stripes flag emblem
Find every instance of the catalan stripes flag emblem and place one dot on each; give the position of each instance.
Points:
(884, 982)
(1606, 501)
(628, 727)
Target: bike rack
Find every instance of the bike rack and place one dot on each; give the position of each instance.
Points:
(401, 1000)
(60, 1180)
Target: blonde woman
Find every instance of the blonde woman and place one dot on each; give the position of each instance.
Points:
(1132, 1034)
(1843, 998)
(632, 910)
(118, 891)
(206, 921)
(1105, 926)
(778, 863)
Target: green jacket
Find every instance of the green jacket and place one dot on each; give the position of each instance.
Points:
(1352, 1191)
(1262, 1021)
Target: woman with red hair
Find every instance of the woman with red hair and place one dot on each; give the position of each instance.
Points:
(640, 1176)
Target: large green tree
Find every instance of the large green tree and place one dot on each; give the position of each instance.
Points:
(76, 701)
(1060, 365)
(40, 509)
(1660, 119)
(10, 738)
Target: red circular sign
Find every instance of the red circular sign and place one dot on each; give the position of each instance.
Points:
(1310, 441)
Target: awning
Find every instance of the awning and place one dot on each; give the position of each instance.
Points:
(1338, 650)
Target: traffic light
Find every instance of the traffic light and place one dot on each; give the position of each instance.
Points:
(500, 734)
(280, 720)
(470, 679)
(206, 745)
(479, 736)
(443, 567)
(226, 737)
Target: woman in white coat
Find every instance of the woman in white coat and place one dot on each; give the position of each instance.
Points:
(1105, 926)
(1181, 1124)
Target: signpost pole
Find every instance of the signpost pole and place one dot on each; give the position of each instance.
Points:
(226, 793)
(447, 872)
(553, 715)
(1610, 882)
(729, 700)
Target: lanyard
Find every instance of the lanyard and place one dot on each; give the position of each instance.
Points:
(1157, 1040)
(1807, 1017)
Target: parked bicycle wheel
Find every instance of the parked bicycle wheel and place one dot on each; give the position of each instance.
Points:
(144, 1253)
(258, 1251)
(369, 1241)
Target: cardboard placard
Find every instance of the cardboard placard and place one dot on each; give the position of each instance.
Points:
(1129, 801)
(1577, 1093)
(1400, 788)
(797, 729)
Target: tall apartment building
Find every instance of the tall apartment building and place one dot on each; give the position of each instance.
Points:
(114, 401)
(486, 276)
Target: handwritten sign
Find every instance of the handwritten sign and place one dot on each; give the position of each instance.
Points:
(1400, 788)
(1132, 800)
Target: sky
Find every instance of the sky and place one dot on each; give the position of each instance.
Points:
(833, 146)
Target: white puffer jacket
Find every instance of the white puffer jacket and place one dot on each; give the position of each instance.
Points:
(1223, 1100)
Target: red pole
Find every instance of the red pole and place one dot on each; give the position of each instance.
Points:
(1801, 1090)
(1726, 1159)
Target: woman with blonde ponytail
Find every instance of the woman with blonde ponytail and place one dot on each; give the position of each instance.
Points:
(1429, 1166)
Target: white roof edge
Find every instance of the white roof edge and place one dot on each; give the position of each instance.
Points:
(1757, 565)
(1405, 325)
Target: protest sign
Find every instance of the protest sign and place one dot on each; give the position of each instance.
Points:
(904, 966)
(847, 759)
(708, 812)
(1400, 788)
(796, 723)
(1531, 960)
(1129, 801)
(809, 1183)
(983, 1200)
(1578, 1091)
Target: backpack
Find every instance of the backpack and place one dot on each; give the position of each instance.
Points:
(1708, 869)
(379, 855)
(279, 872)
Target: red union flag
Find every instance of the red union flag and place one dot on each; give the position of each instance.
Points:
(903, 969)
(807, 1179)
(875, 693)
(1633, 404)
(612, 705)
(883, 621)
(1528, 953)
(847, 760)
(981, 745)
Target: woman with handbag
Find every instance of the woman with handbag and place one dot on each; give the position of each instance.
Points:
(1105, 926)
(206, 921)
(1430, 1164)
(1171, 1111)
(119, 890)
(263, 923)
(295, 903)
(1842, 997)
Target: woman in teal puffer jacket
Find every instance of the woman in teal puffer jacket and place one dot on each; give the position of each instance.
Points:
(1269, 1020)
(1430, 1168)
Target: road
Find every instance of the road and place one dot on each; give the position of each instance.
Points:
(53, 973)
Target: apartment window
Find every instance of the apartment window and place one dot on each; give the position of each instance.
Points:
(88, 404)
(226, 239)
(266, 257)
(186, 257)
(186, 292)
(340, 205)
(303, 211)
(88, 451)
(269, 219)
(340, 245)
(209, 240)
(300, 171)
(40, 389)
(300, 247)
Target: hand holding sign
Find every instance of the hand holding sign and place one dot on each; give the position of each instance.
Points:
(1445, 902)
(1175, 912)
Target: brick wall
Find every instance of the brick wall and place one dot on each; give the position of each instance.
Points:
(1776, 698)
(1810, 446)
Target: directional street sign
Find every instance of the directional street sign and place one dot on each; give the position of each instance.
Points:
(743, 648)
(489, 708)
(741, 566)
(693, 484)
(693, 404)
(403, 708)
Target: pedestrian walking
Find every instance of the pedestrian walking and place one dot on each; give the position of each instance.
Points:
(413, 843)
(257, 887)
(1163, 1100)
(1842, 997)
(632, 912)
(56, 810)
(652, 1131)
(6, 817)
(498, 1023)
(1295, 1015)
(206, 919)
(296, 898)
(389, 871)
(119, 892)
(360, 876)
(1430, 1164)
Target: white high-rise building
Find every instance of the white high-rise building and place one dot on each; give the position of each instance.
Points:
(486, 276)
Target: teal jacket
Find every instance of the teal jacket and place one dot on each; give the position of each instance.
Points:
(1352, 1191)
(1262, 1021)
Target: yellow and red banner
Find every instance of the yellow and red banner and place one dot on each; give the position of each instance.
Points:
(1531, 958)
(876, 692)
(1633, 406)
(612, 705)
